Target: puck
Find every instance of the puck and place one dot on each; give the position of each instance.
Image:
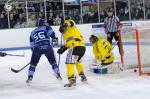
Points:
(135, 70)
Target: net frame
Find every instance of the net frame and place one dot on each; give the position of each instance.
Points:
(138, 48)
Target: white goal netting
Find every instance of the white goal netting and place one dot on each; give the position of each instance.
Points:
(136, 46)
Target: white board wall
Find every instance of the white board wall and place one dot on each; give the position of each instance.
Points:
(11, 38)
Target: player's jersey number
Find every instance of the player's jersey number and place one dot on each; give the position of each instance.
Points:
(39, 36)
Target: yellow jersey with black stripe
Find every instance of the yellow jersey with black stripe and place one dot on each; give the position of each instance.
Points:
(102, 50)
(72, 35)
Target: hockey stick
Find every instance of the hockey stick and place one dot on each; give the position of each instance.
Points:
(59, 54)
(21, 55)
(17, 71)
(112, 48)
(115, 44)
(121, 68)
(15, 55)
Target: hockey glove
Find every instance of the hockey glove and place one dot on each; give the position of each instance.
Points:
(3, 54)
(62, 29)
(55, 42)
(32, 48)
(62, 49)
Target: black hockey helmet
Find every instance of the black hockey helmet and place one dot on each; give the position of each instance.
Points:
(93, 39)
(41, 22)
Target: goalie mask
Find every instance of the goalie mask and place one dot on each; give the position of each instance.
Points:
(93, 39)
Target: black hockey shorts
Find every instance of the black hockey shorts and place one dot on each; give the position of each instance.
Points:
(75, 55)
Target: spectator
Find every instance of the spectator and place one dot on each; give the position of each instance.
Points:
(138, 14)
(18, 13)
(132, 8)
(76, 18)
(3, 21)
(32, 21)
(50, 19)
(57, 20)
(86, 17)
(103, 15)
(95, 17)
(20, 9)
(91, 14)
(126, 11)
(12, 20)
(20, 24)
(122, 15)
(148, 14)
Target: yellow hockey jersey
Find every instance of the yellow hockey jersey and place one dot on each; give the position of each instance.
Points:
(102, 50)
(72, 35)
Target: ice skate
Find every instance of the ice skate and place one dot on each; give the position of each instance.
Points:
(58, 77)
(29, 80)
(71, 83)
(83, 77)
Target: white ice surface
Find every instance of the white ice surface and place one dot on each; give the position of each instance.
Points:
(124, 85)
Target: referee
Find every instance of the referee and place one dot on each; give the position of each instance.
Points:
(112, 25)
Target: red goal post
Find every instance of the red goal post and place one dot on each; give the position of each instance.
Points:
(135, 48)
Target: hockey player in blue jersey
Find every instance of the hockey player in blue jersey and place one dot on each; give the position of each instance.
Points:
(41, 44)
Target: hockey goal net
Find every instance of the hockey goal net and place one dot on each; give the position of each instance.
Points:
(135, 43)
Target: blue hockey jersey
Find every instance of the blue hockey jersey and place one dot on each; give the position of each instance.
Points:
(40, 37)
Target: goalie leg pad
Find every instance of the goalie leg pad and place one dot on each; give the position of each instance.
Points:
(114, 68)
(100, 69)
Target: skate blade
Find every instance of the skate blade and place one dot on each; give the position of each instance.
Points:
(69, 86)
(28, 83)
(59, 79)
(85, 82)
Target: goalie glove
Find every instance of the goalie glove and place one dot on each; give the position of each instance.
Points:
(55, 42)
(62, 49)
(3, 54)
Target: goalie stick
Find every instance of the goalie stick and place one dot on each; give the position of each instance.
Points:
(17, 71)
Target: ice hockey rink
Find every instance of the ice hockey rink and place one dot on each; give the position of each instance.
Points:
(123, 85)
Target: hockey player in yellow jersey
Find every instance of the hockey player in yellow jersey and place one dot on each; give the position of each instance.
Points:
(75, 44)
(102, 50)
